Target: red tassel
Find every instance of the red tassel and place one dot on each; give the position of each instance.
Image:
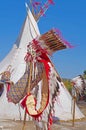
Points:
(23, 103)
(50, 122)
(8, 87)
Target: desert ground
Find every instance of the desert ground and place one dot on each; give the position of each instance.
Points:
(78, 125)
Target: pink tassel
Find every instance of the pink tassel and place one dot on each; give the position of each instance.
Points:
(64, 41)
(50, 2)
(67, 43)
(35, 4)
(42, 11)
(46, 6)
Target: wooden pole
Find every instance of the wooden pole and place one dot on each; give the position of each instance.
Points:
(24, 122)
(74, 103)
(31, 64)
(28, 90)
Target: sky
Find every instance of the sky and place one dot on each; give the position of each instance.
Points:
(69, 16)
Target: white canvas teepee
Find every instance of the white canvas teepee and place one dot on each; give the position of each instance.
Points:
(63, 107)
(16, 59)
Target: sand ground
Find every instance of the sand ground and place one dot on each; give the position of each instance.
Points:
(17, 125)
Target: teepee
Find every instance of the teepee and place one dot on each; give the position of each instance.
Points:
(15, 59)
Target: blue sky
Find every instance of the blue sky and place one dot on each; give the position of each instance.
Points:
(69, 16)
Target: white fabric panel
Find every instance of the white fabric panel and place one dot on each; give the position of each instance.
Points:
(64, 106)
(16, 59)
(8, 59)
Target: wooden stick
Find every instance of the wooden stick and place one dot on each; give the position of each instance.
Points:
(30, 76)
(24, 123)
(28, 90)
(74, 102)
